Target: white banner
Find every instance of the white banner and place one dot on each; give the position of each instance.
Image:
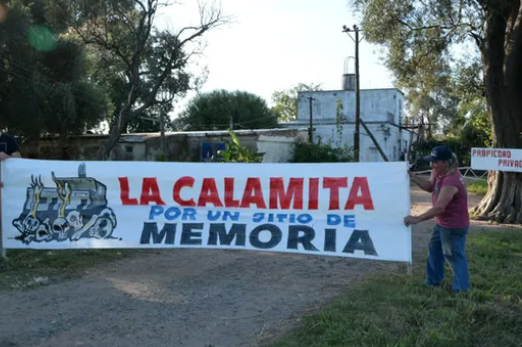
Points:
(496, 159)
(347, 210)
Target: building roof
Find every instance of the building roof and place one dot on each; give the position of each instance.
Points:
(237, 132)
(142, 137)
(342, 90)
(333, 122)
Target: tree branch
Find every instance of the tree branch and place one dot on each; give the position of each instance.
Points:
(214, 20)
(427, 27)
(127, 21)
(143, 34)
(479, 40)
(140, 4)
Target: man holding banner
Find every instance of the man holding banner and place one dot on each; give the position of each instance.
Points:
(450, 208)
(8, 148)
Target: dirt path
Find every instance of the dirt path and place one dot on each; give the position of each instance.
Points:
(186, 298)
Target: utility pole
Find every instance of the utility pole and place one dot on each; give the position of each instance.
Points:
(357, 146)
(162, 129)
(356, 134)
(310, 130)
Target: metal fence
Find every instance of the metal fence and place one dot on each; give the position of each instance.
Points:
(468, 173)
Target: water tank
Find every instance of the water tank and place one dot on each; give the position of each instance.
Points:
(349, 77)
(349, 81)
(82, 171)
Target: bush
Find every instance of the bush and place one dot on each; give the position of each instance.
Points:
(305, 152)
(237, 153)
(161, 157)
(478, 187)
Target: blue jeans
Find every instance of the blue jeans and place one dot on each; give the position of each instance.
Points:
(448, 244)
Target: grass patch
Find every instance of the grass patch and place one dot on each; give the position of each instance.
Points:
(478, 187)
(396, 310)
(30, 268)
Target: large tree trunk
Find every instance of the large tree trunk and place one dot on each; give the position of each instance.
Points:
(502, 61)
(105, 150)
(503, 202)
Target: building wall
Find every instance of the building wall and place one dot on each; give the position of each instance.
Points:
(381, 109)
(389, 137)
(181, 147)
(377, 105)
(277, 149)
(324, 105)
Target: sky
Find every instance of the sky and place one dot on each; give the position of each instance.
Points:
(275, 44)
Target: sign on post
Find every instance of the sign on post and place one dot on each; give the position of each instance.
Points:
(496, 159)
(346, 210)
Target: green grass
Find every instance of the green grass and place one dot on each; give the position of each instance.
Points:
(396, 310)
(22, 267)
(478, 187)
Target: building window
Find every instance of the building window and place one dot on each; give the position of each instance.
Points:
(128, 149)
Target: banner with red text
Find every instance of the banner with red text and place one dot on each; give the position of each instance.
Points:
(496, 159)
(341, 209)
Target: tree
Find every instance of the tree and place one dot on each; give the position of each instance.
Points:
(44, 82)
(433, 104)
(473, 125)
(149, 64)
(421, 34)
(286, 100)
(219, 109)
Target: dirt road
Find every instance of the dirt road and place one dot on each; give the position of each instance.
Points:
(186, 298)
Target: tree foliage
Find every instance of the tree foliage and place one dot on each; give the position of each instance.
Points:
(235, 152)
(143, 66)
(285, 101)
(319, 152)
(480, 43)
(218, 109)
(436, 107)
(45, 84)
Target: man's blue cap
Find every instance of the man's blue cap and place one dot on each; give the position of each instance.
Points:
(439, 153)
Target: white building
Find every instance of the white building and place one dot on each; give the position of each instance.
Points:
(333, 118)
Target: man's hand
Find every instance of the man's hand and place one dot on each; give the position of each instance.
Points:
(411, 220)
(4, 156)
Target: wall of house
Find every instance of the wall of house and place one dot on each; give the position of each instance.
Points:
(278, 149)
(381, 109)
(324, 105)
(181, 147)
(393, 142)
(377, 105)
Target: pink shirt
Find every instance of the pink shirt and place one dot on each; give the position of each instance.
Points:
(456, 214)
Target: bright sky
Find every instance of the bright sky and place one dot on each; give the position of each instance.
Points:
(276, 44)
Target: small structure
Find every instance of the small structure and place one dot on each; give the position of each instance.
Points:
(183, 146)
(333, 118)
